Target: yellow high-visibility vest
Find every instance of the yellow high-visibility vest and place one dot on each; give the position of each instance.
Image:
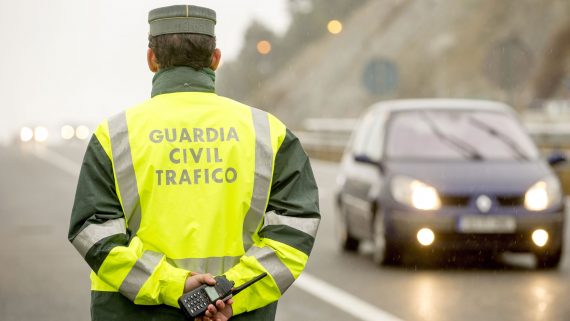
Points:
(193, 175)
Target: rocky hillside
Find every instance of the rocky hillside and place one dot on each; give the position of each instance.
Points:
(418, 48)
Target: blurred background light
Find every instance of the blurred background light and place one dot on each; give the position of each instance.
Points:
(41, 134)
(334, 27)
(82, 132)
(264, 47)
(26, 134)
(67, 132)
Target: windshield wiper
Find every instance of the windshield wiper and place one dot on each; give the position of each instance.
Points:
(505, 139)
(470, 150)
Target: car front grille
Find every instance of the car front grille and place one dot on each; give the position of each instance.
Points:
(463, 200)
(454, 200)
(510, 200)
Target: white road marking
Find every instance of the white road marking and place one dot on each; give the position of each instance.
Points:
(324, 291)
(342, 300)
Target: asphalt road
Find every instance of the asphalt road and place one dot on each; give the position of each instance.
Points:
(43, 278)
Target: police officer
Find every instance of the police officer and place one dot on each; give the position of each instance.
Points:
(189, 184)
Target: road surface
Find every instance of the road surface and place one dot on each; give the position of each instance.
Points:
(43, 278)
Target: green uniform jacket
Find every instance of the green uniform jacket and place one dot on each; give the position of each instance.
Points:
(293, 194)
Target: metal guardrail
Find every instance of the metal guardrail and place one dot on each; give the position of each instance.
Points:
(327, 146)
(326, 138)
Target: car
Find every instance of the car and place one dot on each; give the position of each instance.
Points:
(442, 175)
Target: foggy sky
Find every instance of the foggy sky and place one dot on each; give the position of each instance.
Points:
(79, 61)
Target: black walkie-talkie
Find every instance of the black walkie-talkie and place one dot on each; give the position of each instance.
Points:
(195, 302)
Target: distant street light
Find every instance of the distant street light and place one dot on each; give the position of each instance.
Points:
(264, 47)
(334, 27)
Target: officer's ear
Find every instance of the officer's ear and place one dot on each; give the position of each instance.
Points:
(151, 60)
(216, 58)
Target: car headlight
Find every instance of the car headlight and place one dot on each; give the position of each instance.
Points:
(415, 193)
(67, 132)
(26, 134)
(82, 132)
(543, 194)
(41, 134)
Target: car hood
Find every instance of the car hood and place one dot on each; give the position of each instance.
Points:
(473, 177)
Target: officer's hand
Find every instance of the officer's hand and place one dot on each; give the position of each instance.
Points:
(221, 312)
(195, 280)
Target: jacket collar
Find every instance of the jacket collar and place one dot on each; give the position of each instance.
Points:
(183, 79)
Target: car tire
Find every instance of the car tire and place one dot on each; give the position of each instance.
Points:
(347, 242)
(384, 250)
(392, 255)
(548, 260)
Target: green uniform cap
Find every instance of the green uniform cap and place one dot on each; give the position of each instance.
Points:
(182, 19)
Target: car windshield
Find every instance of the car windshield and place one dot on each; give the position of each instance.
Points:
(457, 135)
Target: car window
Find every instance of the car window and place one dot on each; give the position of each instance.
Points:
(368, 138)
(362, 135)
(374, 145)
(456, 135)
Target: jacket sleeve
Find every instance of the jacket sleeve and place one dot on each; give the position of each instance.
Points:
(286, 238)
(99, 232)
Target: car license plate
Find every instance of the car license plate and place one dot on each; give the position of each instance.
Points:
(487, 224)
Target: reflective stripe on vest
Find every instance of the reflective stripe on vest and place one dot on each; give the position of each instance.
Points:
(273, 265)
(212, 265)
(94, 233)
(263, 175)
(124, 170)
(139, 274)
(306, 225)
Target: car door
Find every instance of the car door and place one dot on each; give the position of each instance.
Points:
(363, 176)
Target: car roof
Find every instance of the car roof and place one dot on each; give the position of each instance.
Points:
(437, 103)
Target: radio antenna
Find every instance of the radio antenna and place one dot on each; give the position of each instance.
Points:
(246, 284)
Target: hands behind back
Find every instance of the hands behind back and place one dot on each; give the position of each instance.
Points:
(194, 280)
(222, 311)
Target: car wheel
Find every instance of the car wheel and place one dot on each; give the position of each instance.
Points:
(347, 242)
(392, 254)
(549, 259)
(384, 251)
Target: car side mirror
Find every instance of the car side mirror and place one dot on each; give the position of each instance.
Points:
(556, 158)
(362, 158)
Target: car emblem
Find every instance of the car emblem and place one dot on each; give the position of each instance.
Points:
(483, 203)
